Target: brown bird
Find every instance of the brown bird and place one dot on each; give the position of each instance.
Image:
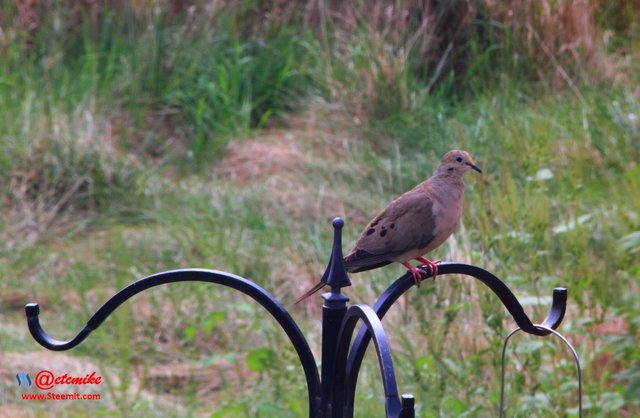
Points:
(414, 224)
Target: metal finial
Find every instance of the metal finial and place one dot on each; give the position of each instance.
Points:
(336, 274)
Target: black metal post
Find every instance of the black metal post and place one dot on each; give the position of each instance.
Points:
(332, 393)
(334, 309)
(408, 406)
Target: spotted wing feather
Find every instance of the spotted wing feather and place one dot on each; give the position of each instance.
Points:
(405, 225)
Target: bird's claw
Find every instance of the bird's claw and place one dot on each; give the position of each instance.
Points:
(429, 269)
(418, 272)
(428, 266)
(417, 275)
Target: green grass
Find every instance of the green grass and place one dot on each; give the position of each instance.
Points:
(113, 168)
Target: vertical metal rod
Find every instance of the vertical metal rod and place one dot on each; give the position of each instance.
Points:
(408, 406)
(333, 312)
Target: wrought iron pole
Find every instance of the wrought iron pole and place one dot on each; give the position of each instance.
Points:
(334, 309)
(332, 393)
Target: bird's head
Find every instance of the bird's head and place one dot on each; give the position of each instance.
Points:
(457, 162)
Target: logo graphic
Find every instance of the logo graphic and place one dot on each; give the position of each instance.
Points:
(23, 379)
(47, 381)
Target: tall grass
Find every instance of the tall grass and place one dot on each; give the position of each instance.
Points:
(104, 112)
(229, 86)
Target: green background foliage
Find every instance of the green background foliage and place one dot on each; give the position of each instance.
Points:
(145, 136)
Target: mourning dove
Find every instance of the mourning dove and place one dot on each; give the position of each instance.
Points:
(414, 224)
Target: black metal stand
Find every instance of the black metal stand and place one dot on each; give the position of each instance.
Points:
(334, 394)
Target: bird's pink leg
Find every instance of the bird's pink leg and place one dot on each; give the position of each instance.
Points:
(433, 265)
(416, 273)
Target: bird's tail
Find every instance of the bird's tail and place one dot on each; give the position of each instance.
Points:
(311, 291)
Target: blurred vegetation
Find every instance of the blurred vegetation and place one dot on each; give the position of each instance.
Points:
(141, 136)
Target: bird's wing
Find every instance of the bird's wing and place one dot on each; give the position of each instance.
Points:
(406, 224)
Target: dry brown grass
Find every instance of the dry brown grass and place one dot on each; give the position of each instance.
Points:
(256, 159)
(63, 172)
(563, 38)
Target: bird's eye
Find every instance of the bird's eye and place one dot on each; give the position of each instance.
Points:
(459, 159)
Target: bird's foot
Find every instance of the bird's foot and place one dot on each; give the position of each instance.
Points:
(415, 272)
(431, 265)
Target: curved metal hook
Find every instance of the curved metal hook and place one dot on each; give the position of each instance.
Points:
(264, 298)
(508, 299)
(372, 323)
(404, 283)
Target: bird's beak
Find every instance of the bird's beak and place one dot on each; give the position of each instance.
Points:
(475, 167)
